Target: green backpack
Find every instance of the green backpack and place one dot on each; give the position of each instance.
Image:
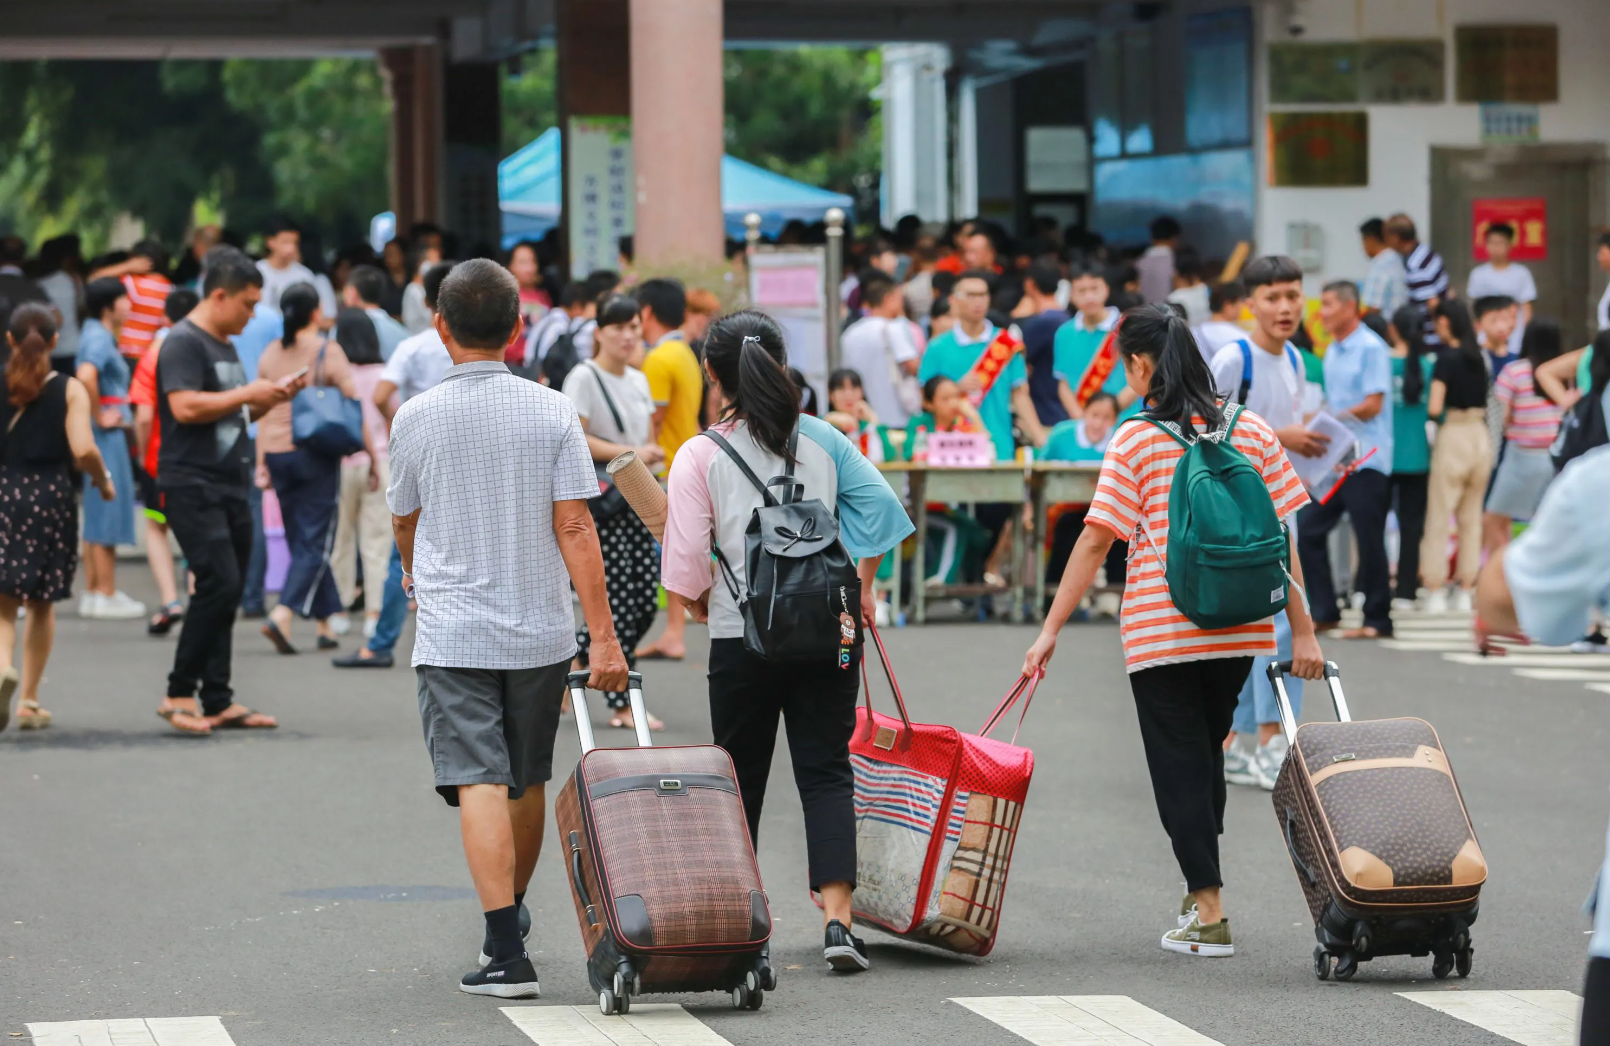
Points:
(1228, 552)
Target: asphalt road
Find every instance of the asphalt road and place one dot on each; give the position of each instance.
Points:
(307, 886)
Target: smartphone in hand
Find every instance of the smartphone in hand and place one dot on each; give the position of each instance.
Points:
(291, 378)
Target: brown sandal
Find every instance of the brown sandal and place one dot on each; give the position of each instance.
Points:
(171, 713)
(241, 721)
(31, 717)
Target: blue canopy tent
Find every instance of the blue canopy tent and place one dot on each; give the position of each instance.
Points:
(529, 194)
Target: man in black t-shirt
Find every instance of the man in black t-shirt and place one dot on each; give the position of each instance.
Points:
(204, 470)
(1039, 331)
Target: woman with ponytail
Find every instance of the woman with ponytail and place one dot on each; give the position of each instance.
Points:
(711, 502)
(45, 433)
(1411, 452)
(1186, 680)
(306, 482)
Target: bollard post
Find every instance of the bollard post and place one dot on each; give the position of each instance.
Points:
(835, 276)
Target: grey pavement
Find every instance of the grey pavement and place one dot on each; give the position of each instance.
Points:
(307, 885)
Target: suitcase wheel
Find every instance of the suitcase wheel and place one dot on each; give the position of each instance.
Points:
(745, 999)
(1322, 962)
(1462, 960)
(607, 1002)
(1346, 965)
(1442, 965)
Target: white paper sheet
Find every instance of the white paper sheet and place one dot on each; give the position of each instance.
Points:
(1319, 473)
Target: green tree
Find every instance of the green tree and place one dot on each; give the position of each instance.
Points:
(324, 128)
(807, 112)
(529, 101)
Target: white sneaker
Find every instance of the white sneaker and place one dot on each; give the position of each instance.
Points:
(1239, 768)
(1405, 605)
(340, 624)
(370, 623)
(1108, 604)
(89, 604)
(1436, 602)
(119, 606)
(1592, 643)
(1269, 759)
(1461, 602)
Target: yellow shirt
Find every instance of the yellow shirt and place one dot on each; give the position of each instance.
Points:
(677, 383)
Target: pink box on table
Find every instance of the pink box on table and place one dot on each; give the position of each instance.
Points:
(963, 450)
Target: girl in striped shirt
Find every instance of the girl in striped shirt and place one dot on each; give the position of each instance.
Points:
(1531, 421)
(1185, 680)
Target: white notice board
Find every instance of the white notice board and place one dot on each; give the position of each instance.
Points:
(790, 285)
(601, 207)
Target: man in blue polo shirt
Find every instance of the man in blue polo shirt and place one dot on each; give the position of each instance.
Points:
(1358, 388)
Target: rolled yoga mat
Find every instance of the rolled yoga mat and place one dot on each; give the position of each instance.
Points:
(641, 491)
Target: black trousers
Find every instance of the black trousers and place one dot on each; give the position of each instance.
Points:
(817, 706)
(213, 525)
(1365, 496)
(1409, 493)
(1185, 712)
(1066, 534)
(1596, 1004)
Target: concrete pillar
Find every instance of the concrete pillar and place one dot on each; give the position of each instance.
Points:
(413, 77)
(677, 129)
(966, 184)
(474, 140)
(916, 174)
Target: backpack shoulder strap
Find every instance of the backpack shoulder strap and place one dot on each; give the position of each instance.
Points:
(1296, 361)
(743, 466)
(1172, 430)
(1246, 370)
(609, 401)
(1235, 416)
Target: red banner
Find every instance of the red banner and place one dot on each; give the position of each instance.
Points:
(1101, 367)
(993, 362)
(1527, 215)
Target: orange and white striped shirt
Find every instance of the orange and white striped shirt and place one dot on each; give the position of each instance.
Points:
(1136, 476)
(148, 295)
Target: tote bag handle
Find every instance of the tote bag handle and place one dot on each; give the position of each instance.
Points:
(1024, 688)
(894, 687)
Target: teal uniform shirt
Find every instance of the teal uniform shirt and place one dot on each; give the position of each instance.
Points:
(1076, 345)
(1411, 454)
(1067, 442)
(953, 354)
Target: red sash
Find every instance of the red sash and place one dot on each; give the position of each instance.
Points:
(1100, 368)
(993, 362)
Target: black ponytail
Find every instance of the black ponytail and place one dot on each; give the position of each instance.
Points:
(1182, 385)
(1409, 322)
(1464, 332)
(748, 356)
(298, 303)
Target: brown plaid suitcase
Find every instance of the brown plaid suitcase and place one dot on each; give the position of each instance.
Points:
(661, 868)
(1379, 836)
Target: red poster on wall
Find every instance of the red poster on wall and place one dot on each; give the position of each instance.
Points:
(1528, 215)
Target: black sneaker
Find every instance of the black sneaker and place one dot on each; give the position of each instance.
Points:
(515, 979)
(844, 952)
(525, 935)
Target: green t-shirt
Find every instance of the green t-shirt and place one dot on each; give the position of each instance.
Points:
(955, 358)
(1584, 371)
(1411, 454)
(1067, 443)
(1076, 345)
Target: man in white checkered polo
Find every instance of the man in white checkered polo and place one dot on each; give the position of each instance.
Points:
(490, 478)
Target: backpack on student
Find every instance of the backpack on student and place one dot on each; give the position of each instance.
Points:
(1228, 552)
(1582, 429)
(1246, 369)
(802, 597)
(560, 359)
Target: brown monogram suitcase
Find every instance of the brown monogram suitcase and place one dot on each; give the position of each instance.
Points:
(1377, 831)
(662, 869)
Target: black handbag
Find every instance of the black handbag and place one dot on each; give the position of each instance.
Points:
(610, 502)
(1581, 430)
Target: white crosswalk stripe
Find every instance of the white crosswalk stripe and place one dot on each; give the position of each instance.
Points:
(137, 1031)
(1451, 636)
(1531, 1018)
(1084, 1020)
(655, 1024)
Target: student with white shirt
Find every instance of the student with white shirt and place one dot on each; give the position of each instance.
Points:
(1264, 371)
(1190, 293)
(282, 265)
(1223, 324)
(879, 348)
(616, 408)
(1500, 277)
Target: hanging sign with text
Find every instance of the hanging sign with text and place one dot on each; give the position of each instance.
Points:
(1527, 215)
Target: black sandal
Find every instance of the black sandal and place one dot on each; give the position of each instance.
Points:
(165, 619)
(275, 636)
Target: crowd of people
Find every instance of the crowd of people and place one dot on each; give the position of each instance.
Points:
(194, 390)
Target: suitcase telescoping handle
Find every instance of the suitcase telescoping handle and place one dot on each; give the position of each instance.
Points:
(1288, 718)
(577, 681)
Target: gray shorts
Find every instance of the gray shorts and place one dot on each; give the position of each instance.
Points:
(490, 725)
(1518, 484)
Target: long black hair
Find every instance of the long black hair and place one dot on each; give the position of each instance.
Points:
(1599, 365)
(1409, 322)
(298, 302)
(1541, 342)
(748, 356)
(1464, 332)
(355, 333)
(1182, 385)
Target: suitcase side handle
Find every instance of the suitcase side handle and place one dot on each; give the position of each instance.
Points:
(1291, 847)
(579, 882)
(1288, 719)
(577, 683)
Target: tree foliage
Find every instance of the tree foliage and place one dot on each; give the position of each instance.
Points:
(529, 99)
(807, 112)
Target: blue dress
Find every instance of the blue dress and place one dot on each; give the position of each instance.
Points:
(108, 522)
